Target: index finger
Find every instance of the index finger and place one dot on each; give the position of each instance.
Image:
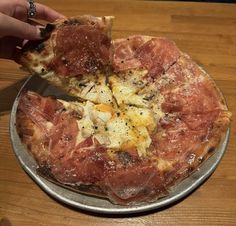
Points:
(45, 13)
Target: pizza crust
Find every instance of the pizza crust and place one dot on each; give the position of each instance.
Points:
(31, 136)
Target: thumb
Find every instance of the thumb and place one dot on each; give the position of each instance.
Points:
(10, 26)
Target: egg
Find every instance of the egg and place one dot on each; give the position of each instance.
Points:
(120, 131)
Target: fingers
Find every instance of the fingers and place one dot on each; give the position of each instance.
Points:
(35, 23)
(45, 13)
(16, 28)
(10, 26)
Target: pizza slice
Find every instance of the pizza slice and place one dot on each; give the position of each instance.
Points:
(73, 51)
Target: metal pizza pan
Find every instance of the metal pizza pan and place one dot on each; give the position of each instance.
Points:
(92, 203)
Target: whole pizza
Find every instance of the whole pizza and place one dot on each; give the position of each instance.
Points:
(145, 116)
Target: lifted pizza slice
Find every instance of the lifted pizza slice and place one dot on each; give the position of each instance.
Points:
(73, 51)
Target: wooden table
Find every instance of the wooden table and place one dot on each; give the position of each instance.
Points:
(204, 30)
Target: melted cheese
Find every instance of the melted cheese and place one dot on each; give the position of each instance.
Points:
(92, 88)
(120, 118)
(86, 125)
(156, 107)
(125, 91)
(37, 61)
(144, 141)
(102, 113)
(141, 117)
(40, 62)
(123, 135)
(120, 133)
(76, 106)
(113, 129)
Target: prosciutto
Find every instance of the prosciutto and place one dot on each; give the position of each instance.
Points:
(135, 184)
(156, 55)
(82, 46)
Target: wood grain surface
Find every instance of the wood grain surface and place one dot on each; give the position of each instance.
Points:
(207, 32)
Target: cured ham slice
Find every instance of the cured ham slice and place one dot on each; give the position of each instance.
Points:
(156, 55)
(82, 47)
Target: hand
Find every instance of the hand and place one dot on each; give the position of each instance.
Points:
(14, 28)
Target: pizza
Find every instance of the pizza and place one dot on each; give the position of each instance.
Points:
(146, 115)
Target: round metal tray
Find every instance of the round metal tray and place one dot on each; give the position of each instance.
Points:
(95, 204)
